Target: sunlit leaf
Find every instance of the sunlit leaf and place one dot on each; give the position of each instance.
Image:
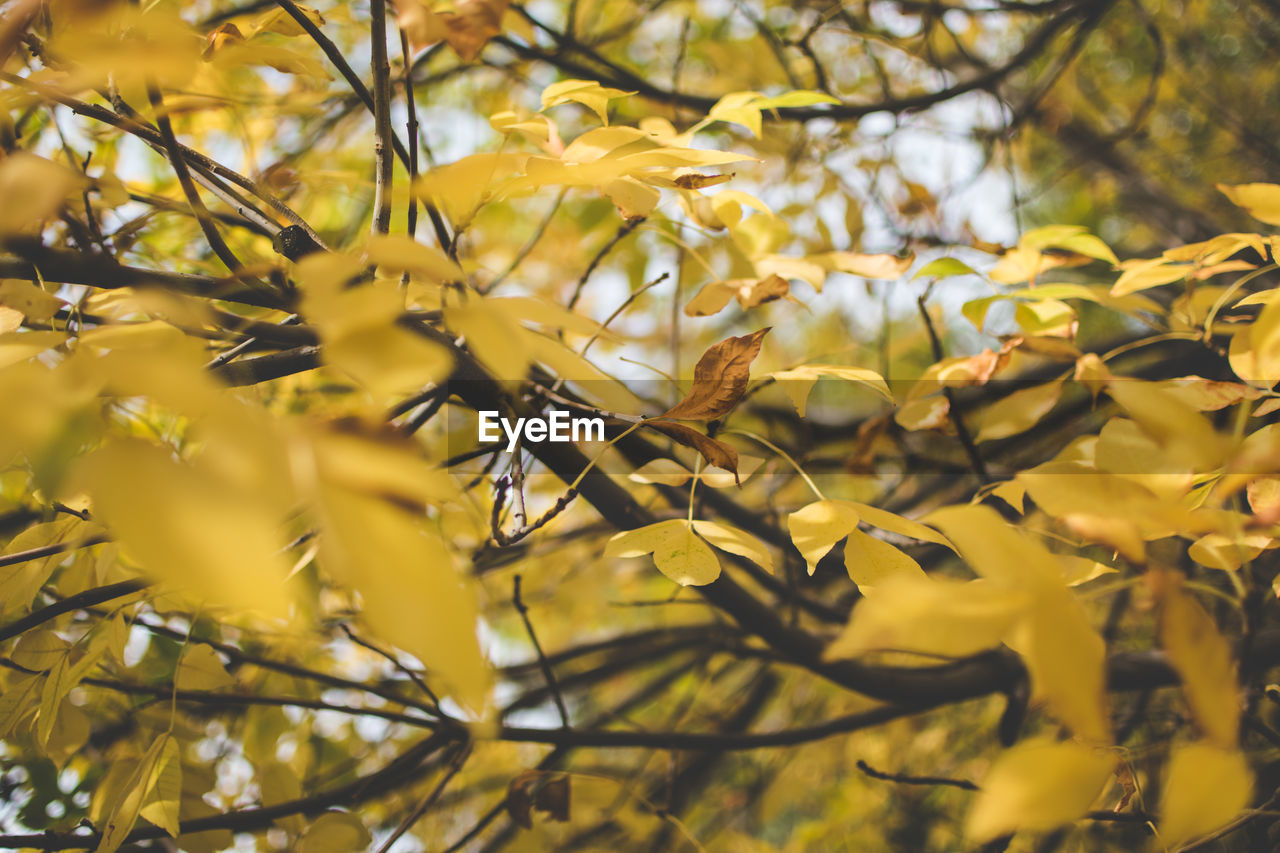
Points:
(1205, 787)
(1038, 785)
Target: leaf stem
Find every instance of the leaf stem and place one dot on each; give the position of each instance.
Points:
(778, 450)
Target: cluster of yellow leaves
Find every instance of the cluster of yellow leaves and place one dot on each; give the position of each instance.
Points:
(1157, 468)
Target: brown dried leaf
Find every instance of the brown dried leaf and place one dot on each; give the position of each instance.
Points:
(467, 29)
(220, 38)
(553, 798)
(717, 453)
(719, 378)
(526, 792)
(520, 799)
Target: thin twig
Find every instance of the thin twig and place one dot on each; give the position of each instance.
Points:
(384, 162)
(962, 431)
(71, 603)
(411, 126)
(543, 663)
(334, 54)
(623, 230)
(198, 209)
(904, 779)
(529, 246)
(413, 676)
(455, 764)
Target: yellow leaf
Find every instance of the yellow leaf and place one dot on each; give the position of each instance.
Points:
(1144, 274)
(1207, 395)
(359, 327)
(1038, 785)
(1011, 492)
(20, 346)
(1264, 340)
(720, 479)
(1205, 787)
(1262, 201)
(413, 596)
(1065, 489)
(281, 22)
(279, 783)
(870, 561)
(816, 528)
(29, 300)
(188, 528)
(1186, 436)
(40, 650)
(1244, 363)
(1081, 570)
(35, 187)
(739, 108)
(202, 669)
(462, 187)
(1203, 660)
(20, 582)
(56, 686)
(129, 799)
(17, 700)
(1019, 411)
(633, 199)
(495, 338)
(335, 832)
(925, 413)
(799, 381)
(401, 253)
(677, 552)
(1218, 551)
(917, 613)
(663, 472)
(750, 293)
(1066, 660)
(735, 541)
(589, 93)
(686, 559)
(118, 637)
(995, 550)
(165, 786)
(710, 299)
(1049, 317)
(69, 734)
(895, 523)
(788, 267)
(884, 267)
(1092, 373)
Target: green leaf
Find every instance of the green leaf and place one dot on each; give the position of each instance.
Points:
(943, 268)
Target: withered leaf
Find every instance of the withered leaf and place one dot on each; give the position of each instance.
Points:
(216, 40)
(553, 798)
(520, 799)
(467, 29)
(717, 453)
(538, 790)
(719, 378)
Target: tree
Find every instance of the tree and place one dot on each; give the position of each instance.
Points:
(917, 540)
